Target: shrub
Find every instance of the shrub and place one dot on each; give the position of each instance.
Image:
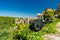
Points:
(48, 14)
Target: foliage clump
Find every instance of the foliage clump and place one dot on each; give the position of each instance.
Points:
(48, 14)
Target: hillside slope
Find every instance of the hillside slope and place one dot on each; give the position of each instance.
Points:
(5, 24)
(8, 33)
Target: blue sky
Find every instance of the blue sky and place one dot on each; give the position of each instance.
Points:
(25, 8)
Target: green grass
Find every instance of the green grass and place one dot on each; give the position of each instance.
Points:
(5, 24)
(8, 33)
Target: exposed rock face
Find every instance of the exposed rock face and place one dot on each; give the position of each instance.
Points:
(39, 16)
(19, 20)
(22, 20)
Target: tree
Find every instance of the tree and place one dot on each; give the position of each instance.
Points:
(48, 14)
